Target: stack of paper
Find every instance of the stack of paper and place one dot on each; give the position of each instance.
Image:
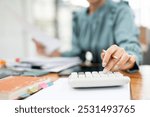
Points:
(56, 64)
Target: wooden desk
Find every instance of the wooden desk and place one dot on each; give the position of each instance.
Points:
(140, 83)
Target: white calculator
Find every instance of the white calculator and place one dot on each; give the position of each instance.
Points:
(97, 79)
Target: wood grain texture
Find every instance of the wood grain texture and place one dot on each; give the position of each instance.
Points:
(140, 83)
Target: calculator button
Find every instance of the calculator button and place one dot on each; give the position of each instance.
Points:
(88, 74)
(118, 74)
(102, 74)
(111, 75)
(95, 75)
(74, 75)
(81, 75)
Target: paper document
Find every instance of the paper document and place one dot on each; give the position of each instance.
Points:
(55, 64)
(51, 44)
(62, 91)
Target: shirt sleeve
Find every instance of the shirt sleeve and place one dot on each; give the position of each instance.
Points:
(127, 34)
(75, 50)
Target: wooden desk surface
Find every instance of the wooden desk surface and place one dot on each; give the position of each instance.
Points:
(140, 83)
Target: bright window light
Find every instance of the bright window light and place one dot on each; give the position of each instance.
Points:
(82, 3)
(141, 9)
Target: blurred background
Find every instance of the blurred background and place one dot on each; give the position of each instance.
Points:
(54, 17)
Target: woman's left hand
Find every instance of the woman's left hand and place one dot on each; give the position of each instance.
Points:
(116, 58)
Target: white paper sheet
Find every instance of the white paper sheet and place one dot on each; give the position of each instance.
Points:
(51, 44)
(62, 91)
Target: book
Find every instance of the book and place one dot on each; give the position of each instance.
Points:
(18, 87)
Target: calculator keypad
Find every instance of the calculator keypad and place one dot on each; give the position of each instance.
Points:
(97, 79)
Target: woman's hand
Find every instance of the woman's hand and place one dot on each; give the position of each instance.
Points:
(41, 50)
(116, 58)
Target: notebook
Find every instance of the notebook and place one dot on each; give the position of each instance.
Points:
(18, 87)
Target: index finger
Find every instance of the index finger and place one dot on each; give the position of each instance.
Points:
(109, 52)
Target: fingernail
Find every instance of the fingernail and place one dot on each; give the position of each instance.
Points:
(104, 64)
(103, 50)
(105, 70)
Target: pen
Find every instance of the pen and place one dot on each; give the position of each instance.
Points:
(115, 57)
